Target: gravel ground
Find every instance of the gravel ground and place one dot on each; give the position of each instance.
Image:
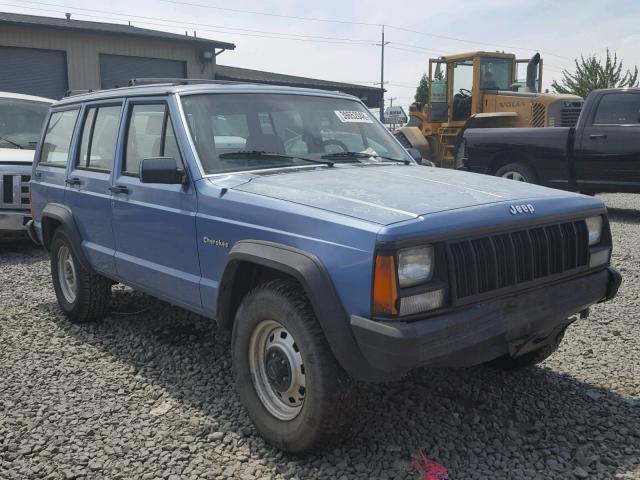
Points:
(148, 394)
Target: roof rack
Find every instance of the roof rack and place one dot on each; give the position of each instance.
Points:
(175, 81)
(71, 93)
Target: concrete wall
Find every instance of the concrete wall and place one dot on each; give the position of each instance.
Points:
(83, 49)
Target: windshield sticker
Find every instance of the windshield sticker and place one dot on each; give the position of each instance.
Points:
(352, 116)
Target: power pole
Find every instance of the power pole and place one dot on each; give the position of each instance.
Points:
(382, 44)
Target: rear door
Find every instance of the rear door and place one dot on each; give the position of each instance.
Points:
(89, 181)
(54, 153)
(608, 155)
(154, 224)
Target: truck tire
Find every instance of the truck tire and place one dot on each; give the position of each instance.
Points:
(530, 359)
(292, 387)
(517, 171)
(83, 296)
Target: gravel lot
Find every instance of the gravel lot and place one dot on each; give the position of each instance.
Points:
(148, 394)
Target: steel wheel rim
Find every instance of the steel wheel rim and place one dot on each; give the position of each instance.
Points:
(517, 176)
(67, 274)
(271, 344)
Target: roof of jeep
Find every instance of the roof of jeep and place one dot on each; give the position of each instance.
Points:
(213, 87)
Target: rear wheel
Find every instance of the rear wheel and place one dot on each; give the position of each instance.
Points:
(518, 172)
(296, 394)
(83, 296)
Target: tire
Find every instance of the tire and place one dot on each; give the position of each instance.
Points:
(530, 359)
(517, 171)
(83, 296)
(460, 154)
(277, 316)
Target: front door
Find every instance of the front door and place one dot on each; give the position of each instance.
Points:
(608, 157)
(154, 224)
(89, 181)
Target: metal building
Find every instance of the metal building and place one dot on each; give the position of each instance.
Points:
(369, 95)
(47, 56)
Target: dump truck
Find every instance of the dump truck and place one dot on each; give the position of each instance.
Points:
(481, 90)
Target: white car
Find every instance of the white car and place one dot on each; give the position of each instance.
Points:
(21, 119)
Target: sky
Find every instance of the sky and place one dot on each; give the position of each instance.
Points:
(336, 39)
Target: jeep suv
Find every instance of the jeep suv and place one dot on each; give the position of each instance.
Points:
(295, 220)
(21, 121)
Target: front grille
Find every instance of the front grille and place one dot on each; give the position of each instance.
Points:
(538, 115)
(14, 191)
(490, 263)
(569, 117)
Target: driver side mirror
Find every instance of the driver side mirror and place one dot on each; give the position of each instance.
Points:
(415, 154)
(162, 170)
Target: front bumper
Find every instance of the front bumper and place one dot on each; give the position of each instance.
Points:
(13, 222)
(480, 332)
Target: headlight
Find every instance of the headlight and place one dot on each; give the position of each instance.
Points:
(415, 265)
(594, 226)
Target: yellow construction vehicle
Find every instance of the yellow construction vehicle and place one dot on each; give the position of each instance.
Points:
(481, 89)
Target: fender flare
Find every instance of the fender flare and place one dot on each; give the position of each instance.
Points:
(309, 271)
(63, 215)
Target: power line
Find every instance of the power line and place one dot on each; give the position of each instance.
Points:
(218, 29)
(268, 14)
(353, 22)
(279, 35)
(455, 39)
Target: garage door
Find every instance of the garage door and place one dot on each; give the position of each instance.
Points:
(33, 71)
(117, 70)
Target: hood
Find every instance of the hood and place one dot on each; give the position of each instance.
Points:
(394, 193)
(16, 155)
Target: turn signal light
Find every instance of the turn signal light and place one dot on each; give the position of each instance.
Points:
(385, 290)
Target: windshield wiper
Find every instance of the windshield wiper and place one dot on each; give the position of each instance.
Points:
(264, 154)
(337, 155)
(17, 145)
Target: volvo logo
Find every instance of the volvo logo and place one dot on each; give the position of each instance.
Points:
(524, 208)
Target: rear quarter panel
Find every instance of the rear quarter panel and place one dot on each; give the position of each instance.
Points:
(546, 150)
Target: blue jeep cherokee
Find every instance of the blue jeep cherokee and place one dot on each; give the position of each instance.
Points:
(294, 219)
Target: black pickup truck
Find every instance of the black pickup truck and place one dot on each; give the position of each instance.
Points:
(600, 154)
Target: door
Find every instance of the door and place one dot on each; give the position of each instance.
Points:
(608, 155)
(89, 180)
(53, 157)
(154, 224)
(34, 71)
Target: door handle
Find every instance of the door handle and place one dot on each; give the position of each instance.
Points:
(122, 189)
(595, 136)
(73, 181)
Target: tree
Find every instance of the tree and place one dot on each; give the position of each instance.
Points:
(591, 73)
(422, 92)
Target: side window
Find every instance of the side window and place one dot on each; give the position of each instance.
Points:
(149, 135)
(99, 133)
(618, 109)
(57, 138)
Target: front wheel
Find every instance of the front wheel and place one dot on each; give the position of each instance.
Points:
(296, 394)
(518, 172)
(83, 296)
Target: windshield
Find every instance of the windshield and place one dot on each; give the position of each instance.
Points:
(21, 122)
(225, 125)
(496, 73)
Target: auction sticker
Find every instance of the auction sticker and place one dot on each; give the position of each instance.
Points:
(353, 116)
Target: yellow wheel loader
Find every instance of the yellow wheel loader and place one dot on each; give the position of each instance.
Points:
(480, 90)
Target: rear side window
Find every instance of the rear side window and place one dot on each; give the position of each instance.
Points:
(149, 135)
(57, 138)
(99, 133)
(618, 109)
